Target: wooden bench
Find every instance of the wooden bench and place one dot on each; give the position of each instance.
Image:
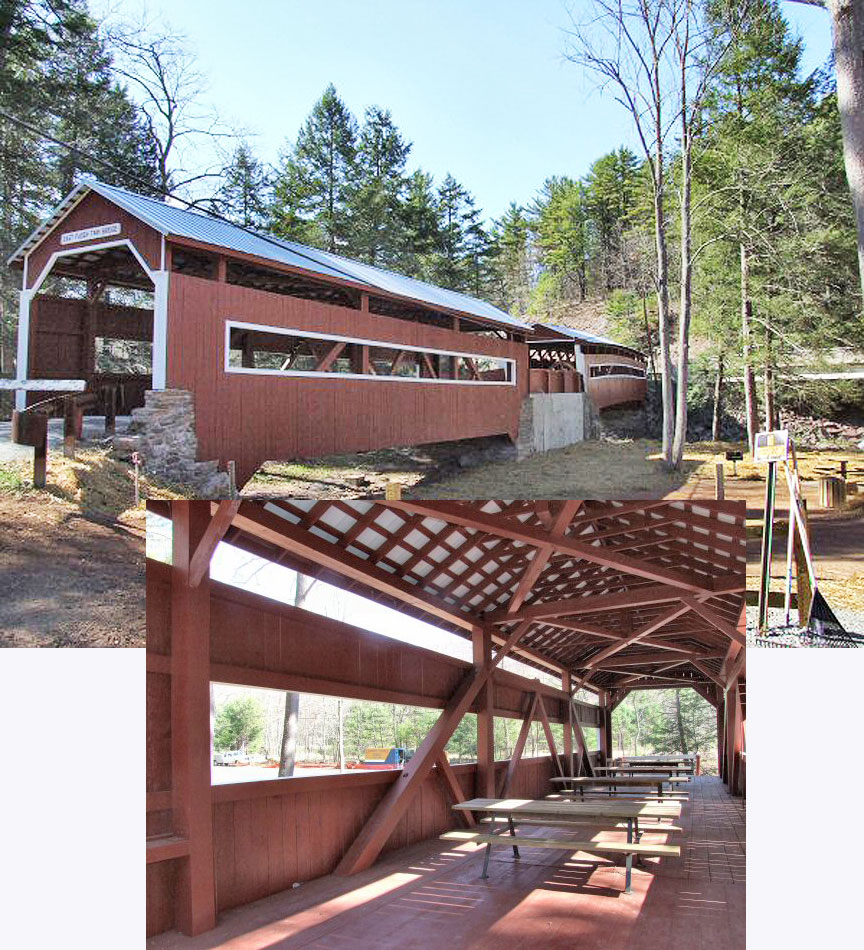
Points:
(563, 844)
(564, 823)
(620, 797)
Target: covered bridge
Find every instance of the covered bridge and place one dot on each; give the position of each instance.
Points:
(276, 350)
(608, 597)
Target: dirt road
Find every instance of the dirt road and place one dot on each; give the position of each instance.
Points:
(66, 580)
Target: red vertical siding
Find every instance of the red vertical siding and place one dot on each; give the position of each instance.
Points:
(251, 419)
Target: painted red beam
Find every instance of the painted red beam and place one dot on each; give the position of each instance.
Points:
(505, 527)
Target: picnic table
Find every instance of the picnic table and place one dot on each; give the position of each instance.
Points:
(602, 813)
(623, 781)
(664, 760)
(639, 769)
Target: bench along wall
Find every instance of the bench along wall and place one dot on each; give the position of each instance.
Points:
(268, 835)
(252, 418)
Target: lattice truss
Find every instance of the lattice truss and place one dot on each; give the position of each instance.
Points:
(621, 594)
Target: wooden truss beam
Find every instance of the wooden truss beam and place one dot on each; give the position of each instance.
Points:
(639, 597)
(666, 617)
(559, 525)
(258, 522)
(522, 738)
(381, 824)
(451, 783)
(596, 554)
(707, 613)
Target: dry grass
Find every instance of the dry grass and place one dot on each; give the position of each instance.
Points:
(94, 483)
(619, 469)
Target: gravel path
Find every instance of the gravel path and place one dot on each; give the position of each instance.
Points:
(852, 620)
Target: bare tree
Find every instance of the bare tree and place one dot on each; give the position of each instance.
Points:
(626, 44)
(847, 23)
(660, 56)
(161, 74)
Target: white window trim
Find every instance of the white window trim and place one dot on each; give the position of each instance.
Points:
(337, 338)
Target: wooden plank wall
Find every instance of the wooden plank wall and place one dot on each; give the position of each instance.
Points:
(252, 419)
(270, 835)
(62, 344)
(92, 211)
(263, 830)
(608, 391)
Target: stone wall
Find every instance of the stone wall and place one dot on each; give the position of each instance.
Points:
(163, 433)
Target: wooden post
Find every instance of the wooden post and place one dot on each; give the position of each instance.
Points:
(485, 785)
(719, 490)
(190, 721)
(69, 433)
(803, 588)
(721, 755)
(109, 397)
(606, 727)
(568, 727)
(832, 492)
(767, 537)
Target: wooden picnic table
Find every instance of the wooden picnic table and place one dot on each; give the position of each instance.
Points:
(620, 781)
(638, 769)
(665, 760)
(608, 813)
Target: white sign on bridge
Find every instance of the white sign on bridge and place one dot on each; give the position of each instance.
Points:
(90, 234)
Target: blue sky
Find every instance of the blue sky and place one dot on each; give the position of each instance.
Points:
(480, 88)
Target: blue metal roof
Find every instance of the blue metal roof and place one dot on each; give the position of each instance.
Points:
(199, 226)
(579, 335)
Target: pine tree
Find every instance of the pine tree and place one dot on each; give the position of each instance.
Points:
(379, 190)
(243, 196)
(561, 226)
(510, 251)
(312, 190)
(419, 230)
(92, 113)
(610, 191)
(755, 184)
(458, 260)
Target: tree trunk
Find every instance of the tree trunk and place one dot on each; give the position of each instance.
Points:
(749, 375)
(341, 704)
(648, 341)
(770, 409)
(288, 752)
(663, 311)
(680, 722)
(847, 17)
(686, 302)
(717, 419)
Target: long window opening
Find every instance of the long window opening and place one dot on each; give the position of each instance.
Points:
(273, 351)
(616, 369)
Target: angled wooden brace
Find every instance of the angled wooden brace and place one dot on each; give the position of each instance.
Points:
(507, 778)
(547, 729)
(445, 770)
(580, 741)
(220, 522)
(380, 825)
